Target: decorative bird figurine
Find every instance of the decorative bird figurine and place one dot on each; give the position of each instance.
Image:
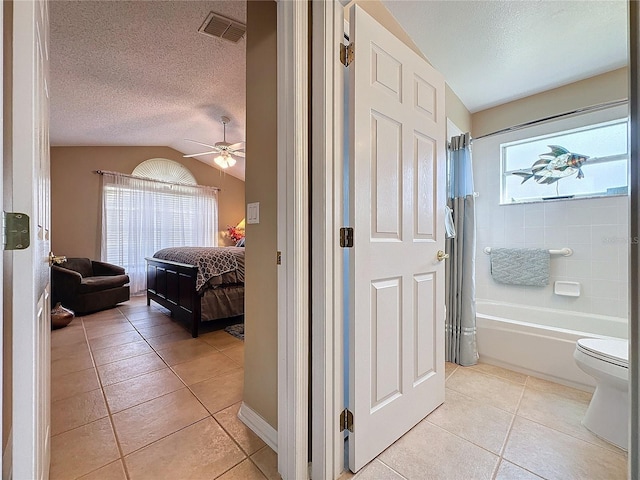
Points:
(554, 165)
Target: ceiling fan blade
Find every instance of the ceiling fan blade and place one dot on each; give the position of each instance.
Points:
(237, 154)
(200, 143)
(237, 146)
(198, 154)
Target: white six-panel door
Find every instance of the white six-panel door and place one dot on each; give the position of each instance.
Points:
(397, 175)
(31, 193)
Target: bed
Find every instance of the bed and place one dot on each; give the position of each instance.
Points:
(197, 283)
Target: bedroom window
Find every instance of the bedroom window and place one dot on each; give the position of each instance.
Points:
(141, 216)
(588, 161)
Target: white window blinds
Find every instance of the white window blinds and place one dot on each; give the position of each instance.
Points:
(141, 216)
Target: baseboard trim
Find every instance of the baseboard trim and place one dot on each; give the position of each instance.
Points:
(7, 460)
(259, 426)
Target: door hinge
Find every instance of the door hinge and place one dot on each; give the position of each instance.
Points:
(278, 258)
(15, 231)
(346, 54)
(346, 237)
(346, 421)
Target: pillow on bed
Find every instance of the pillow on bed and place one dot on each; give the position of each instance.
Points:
(240, 243)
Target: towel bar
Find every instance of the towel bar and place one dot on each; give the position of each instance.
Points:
(565, 252)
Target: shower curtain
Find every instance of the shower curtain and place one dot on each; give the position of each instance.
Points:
(460, 288)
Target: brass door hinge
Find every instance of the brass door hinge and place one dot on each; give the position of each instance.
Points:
(346, 54)
(346, 421)
(346, 237)
(15, 231)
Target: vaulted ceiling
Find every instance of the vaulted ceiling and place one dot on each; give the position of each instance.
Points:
(139, 73)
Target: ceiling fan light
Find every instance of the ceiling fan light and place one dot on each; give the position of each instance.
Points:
(231, 161)
(221, 161)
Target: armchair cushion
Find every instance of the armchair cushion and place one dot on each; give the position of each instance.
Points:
(87, 286)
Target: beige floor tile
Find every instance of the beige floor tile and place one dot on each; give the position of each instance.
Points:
(159, 330)
(220, 392)
(203, 368)
(74, 383)
(146, 315)
(555, 455)
(377, 470)
(143, 424)
(71, 363)
(267, 461)
(164, 341)
(248, 441)
(557, 389)
(120, 352)
(200, 451)
(141, 389)
(103, 314)
(113, 471)
(83, 450)
(220, 339)
(64, 351)
(428, 448)
(449, 368)
(509, 471)
(67, 336)
(101, 331)
(153, 322)
(235, 353)
(496, 371)
(115, 339)
(245, 470)
(91, 324)
(73, 412)
(130, 367)
(482, 424)
(184, 352)
(488, 389)
(560, 412)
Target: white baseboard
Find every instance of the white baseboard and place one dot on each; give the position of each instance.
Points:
(7, 461)
(259, 426)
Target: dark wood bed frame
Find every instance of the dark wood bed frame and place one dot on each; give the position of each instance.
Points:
(173, 285)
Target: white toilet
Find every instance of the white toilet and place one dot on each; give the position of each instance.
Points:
(607, 361)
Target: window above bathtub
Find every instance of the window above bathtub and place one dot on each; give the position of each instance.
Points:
(590, 160)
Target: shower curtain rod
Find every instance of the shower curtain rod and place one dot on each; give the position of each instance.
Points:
(590, 108)
(102, 172)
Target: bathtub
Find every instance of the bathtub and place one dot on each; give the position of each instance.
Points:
(540, 341)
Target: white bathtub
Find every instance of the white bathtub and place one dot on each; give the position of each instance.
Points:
(540, 341)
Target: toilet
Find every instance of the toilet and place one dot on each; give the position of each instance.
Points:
(607, 361)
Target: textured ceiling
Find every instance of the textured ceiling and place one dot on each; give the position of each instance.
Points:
(139, 73)
(493, 52)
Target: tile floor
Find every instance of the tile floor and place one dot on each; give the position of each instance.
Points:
(135, 397)
(502, 425)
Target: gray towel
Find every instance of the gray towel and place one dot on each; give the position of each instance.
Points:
(520, 266)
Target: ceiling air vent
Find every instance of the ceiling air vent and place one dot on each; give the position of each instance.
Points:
(219, 26)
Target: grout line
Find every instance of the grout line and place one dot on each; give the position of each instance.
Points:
(390, 468)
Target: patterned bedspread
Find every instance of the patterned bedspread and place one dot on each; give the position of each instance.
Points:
(211, 261)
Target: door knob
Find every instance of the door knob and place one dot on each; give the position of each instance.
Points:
(56, 260)
(441, 255)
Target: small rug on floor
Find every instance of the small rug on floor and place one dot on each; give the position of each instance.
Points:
(236, 330)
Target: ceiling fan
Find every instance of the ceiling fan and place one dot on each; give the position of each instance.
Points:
(226, 151)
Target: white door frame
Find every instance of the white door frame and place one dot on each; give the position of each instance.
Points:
(327, 363)
(327, 453)
(293, 239)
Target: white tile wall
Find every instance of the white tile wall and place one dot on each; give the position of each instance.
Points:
(596, 229)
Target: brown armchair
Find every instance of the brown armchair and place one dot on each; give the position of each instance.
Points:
(86, 286)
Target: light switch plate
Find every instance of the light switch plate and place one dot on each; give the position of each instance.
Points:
(253, 212)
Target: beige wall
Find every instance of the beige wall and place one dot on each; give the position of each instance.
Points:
(75, 192)
(261, 315)
(454, 108)
(592, 91)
